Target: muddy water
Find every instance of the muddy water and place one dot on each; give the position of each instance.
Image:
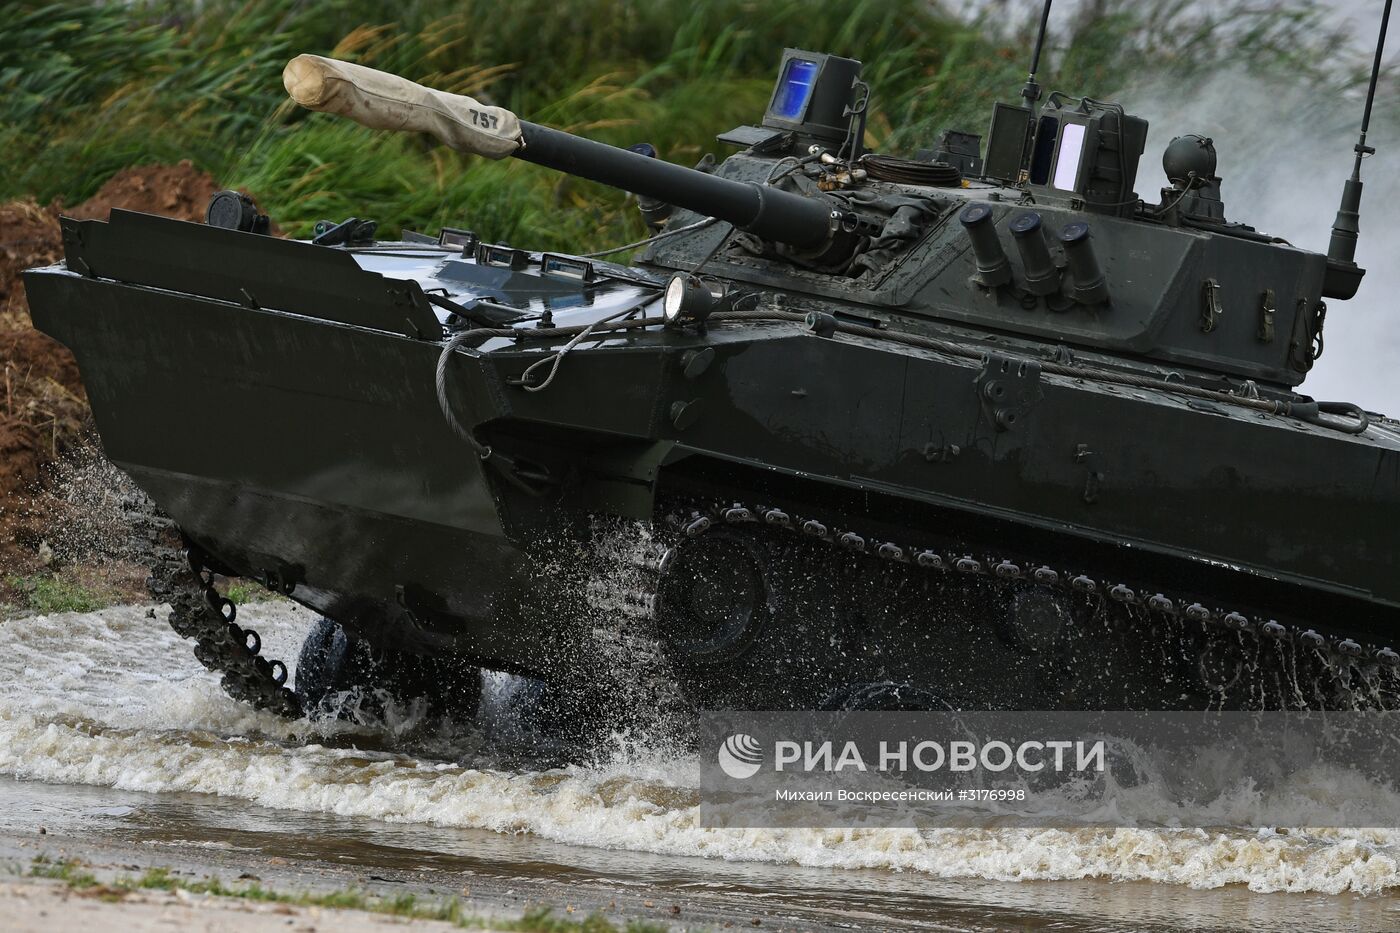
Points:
(113, 731)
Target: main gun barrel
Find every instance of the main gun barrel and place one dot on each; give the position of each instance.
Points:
(384, 101)
(766, 212)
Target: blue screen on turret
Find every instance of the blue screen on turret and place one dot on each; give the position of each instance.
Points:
(795, 88)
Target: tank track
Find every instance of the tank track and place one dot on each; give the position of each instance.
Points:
(199, 612)
(1364, 675)
(180, 578)
(620, 592)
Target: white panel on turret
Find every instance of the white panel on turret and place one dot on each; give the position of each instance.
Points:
(1067, 164)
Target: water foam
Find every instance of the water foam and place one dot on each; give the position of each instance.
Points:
(113, 699)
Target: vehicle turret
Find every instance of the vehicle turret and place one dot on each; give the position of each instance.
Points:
(1053, 245)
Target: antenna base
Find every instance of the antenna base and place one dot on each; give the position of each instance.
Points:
(1341, 280)
(1347, 227)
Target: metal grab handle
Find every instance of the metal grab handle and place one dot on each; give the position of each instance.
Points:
(1339, 416)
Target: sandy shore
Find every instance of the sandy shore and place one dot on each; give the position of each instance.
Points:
(43, 906)
(111, 897)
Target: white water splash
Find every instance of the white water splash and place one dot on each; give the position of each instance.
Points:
(113, 699)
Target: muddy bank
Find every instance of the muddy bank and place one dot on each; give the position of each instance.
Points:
(44, 405)
(43, 409)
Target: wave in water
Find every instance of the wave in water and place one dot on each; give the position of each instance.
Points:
(114, 698)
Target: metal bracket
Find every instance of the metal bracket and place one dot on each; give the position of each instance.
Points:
(409, 297)
(1267, 307)
(1008, 388)
(412, 604)
(1319, 320)
(72, 233)
(75, 247)
(283, 579)
(1092, 477)
(1306, 344)
(758, 138)
(941, 453)
(1211, 311)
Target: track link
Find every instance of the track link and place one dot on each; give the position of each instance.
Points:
(199, 612)
(1375, 664)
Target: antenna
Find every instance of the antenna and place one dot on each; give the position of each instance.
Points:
(1031, 92)
(1342, 249)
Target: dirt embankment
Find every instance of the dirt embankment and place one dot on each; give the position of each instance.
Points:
(43, 409)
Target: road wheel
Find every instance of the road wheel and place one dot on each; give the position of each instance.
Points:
(716, 598)
(735, 617)
(341, 676)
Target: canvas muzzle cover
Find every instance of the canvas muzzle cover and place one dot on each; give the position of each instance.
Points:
(382, 101)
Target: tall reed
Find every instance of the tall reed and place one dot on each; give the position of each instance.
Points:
(87, 88)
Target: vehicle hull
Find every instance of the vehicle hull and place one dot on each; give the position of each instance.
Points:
(303, 449)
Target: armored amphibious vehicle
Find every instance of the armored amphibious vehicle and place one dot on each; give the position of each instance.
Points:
(982, 427)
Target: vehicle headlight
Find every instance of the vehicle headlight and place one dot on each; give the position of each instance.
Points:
(688, 300)
(674, 298)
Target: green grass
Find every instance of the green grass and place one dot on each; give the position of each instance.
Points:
(68, 871)
(241, 592)
(50, 593)
(407, 906)
(202, 81)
